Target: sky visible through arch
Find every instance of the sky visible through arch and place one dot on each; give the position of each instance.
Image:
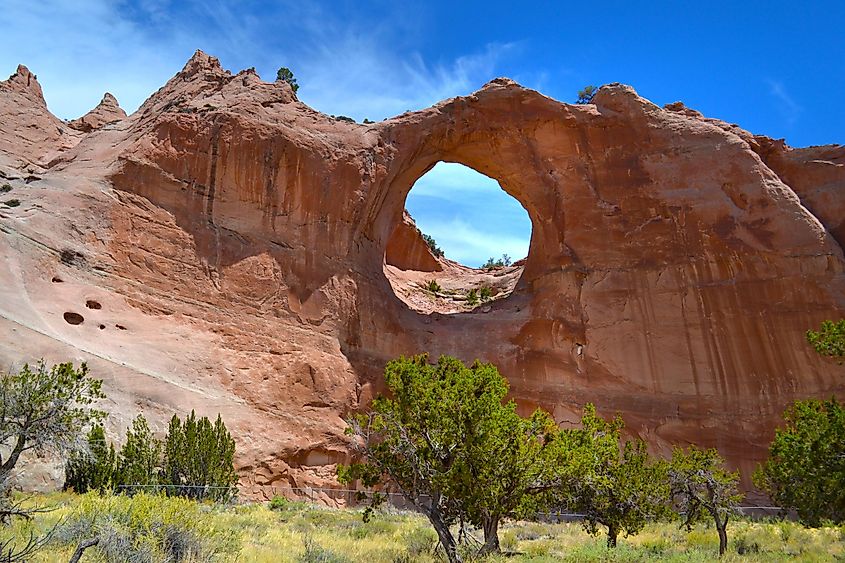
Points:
(469, 215)
(773, 67)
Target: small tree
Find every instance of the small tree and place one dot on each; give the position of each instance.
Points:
(701, 487)
(506, 464)
(199, 458)
(472, 297)
(140, 456)
(451, 446)
(284, 74)
(829, 340)
(94, 468)
(585, 95)
(620, 489)
(432, 245)
(46, 410)
(806, 466)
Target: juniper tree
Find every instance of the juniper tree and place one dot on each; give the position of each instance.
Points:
(805, 470)
(46, 410)
(829, 340)
(284, 74)
(701, 488)
(199, 458)
(140, 457)
(619, 488)
(452, 448)
(93, 468)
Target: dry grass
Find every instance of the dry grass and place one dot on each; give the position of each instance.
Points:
(298, 532)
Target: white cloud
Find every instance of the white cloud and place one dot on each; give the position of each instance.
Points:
(787, 106)
(82, 48)
(469, 245)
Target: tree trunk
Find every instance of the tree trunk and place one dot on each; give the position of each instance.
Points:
(9, 464)
(722, 527)
(83, 545)
(447, 540)
(612, 533)
(491, 535)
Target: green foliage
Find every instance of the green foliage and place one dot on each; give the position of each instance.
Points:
(585, 95)
(805, 470)
(199, 457)
(448, 443)
(285, 74)
(485, 293)
(367, 121)
(140, 456)
(12, 202)
(145, 527)
(493, 263)
(472, 297)
(702, 488)
(432, 245)
(94, 468)
(619, 488)
(278, 503)
(315, 553)
(433, 286)
(829, 340)
(5, 188)
(46, 410)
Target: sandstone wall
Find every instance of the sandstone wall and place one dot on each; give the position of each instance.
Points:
(675, 261)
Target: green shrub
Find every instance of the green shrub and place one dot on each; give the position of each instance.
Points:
(199, 459)
(433, 286)
(140, 456)
(804, 470)
(145, 528)
(12, 202)
(432, 245)
(585, 95)
(285, 74)
(420, 541)
(314, 553)
(6, 188)
(472, 297)
(278, 503)
(94, 468)
(485, 293)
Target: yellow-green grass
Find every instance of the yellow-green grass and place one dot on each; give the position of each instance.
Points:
(301, 532)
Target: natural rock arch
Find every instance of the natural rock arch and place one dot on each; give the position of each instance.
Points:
(675, 262)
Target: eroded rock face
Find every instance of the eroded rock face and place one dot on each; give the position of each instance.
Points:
(239, 238)
(107, 111)
(29, 133)
(408, 251)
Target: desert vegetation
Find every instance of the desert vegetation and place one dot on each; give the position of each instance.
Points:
(481, 481)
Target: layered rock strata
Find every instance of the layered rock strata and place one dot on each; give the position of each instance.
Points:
(235, 240)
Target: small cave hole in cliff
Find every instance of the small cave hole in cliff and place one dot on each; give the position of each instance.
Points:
(460, 244)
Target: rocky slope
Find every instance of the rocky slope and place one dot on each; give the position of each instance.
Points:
(224, 247)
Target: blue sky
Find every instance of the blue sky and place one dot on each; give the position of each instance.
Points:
(776, 68)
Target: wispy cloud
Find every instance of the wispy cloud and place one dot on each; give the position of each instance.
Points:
(471, 245)
(345, 65)
(786, 104)
(469, 215)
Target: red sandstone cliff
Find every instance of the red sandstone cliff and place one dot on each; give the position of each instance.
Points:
(235, 239)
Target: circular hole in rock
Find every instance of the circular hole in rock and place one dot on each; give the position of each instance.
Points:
(91, 304)
(73, 318)
(449, 254)
(120, 327)
(57, 279)
(102, 327)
